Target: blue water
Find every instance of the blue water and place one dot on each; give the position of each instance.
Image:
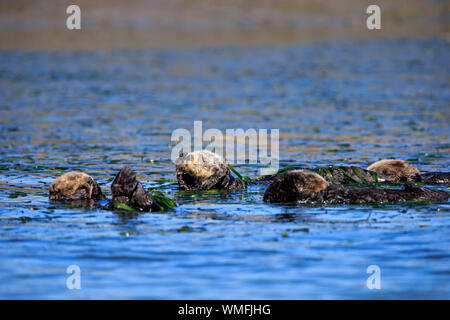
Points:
(340, 102)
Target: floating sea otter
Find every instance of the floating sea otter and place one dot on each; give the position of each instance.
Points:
(307, 186)
(381, 171)
(400, 170)
(334, 175)
(75, 186)
(205, 170)
(129, 191)
(80, 187)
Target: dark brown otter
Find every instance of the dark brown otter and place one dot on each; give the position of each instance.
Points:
(128, 190)
(384, 171)
(304, 186)
(434, 178)
(349, 175)
(336, 175)
(75, 186)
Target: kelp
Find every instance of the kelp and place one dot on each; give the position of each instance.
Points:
(161, 202)
(330, 175)
(327, 173)
(114, 204)
(238, 175)
(17, 194)
(345, 173)
(355, 170)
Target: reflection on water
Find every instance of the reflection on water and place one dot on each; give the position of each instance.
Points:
(347, 102)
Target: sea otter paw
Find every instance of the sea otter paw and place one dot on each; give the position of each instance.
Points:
(128, 190)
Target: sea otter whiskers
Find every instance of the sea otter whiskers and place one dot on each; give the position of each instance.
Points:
(301, 186)
(75, 186)
(205, 170)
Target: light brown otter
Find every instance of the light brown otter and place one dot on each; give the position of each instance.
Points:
(304, 186)
(205, 170)
(399, 170)
(78, 187)
(395, 170)
(74, 186)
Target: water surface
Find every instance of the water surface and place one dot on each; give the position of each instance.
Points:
(344, 102)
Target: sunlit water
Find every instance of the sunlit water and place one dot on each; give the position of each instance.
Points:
(349, 102)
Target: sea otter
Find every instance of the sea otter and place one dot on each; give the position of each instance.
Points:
(308, 186)
(334, 175)
(382, 171)
(75, 186)
(205, 170)
(129, 191)
(79, 187)
(401, 171)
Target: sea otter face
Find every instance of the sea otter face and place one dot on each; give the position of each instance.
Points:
(395, 170)
(74, 186)
(295, 186)
(200, 170)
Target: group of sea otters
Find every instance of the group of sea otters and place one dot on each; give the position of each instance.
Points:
(205, 170)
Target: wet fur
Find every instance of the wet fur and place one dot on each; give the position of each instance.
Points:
(396, 170)
(287, 188)
(338, 177)
(128, 190)
(435, 178)
(294, 186)
(75, 186)
(205, 170)
(334, 175)
(384, 174)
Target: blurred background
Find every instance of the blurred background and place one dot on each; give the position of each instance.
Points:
(169, 23)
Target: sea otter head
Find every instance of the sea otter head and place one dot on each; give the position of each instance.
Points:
(201, 170)
(74, 186)
(295, 186)
(395, 170)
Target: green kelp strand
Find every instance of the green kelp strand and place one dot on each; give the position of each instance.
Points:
(162, 202)
(119, 205)
(347, 175)
(359, 175)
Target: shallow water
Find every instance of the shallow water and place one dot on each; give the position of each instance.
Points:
(347, 102)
